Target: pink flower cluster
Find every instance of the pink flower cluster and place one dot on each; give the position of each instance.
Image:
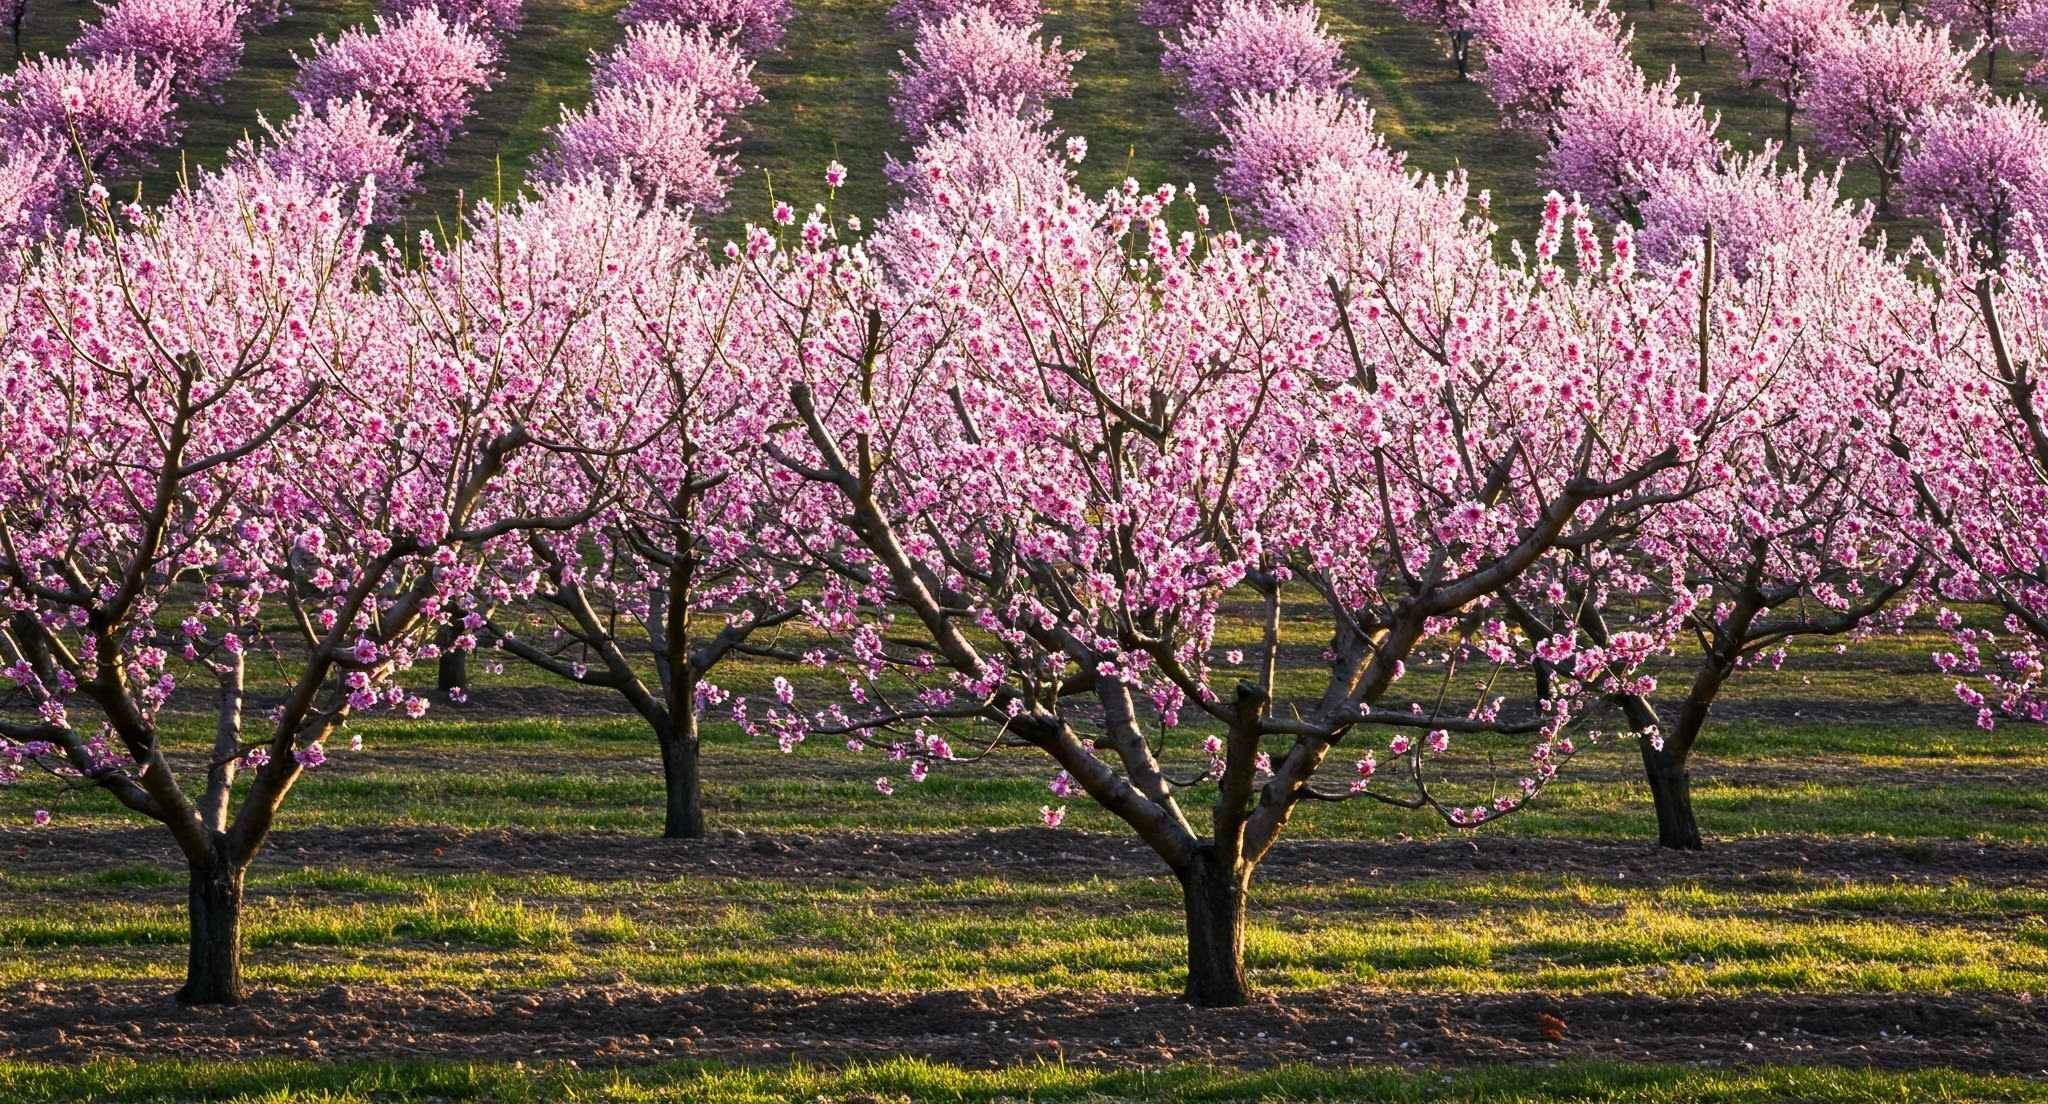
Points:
(193, 44)
(110, 112)
(1270, 140)
(1537, 51)
(1615, 136)
(976, 55)
(1252, 47)
(1985, 166)
(910, 14)
(1755, 209)
(662, 138)
(497, 20)
(419, 72)
(757, 25)
(1868, 88)
(338, 147)
(692, 58)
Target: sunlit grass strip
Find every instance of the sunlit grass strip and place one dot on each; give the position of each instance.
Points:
(1093, 935)
(283, 1082)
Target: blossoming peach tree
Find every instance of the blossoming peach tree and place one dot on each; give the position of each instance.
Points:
(225, 443)
(1061, 439)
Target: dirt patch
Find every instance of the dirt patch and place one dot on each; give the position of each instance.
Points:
(624, 1024)
(1028, 853)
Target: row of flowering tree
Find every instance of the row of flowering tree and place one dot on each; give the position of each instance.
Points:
(1004, 464)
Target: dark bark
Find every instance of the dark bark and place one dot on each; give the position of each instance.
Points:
(453, 670)
(1671, 792)
(213, 967)
(1214, 895)
(680, 777)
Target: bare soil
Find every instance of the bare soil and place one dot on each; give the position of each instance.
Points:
(1330, 1027)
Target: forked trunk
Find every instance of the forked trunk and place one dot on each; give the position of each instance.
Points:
(680, 777)
(1214, 896)
(1671, 791)
(213, 968)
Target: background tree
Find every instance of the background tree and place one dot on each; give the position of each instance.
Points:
(1870, 88)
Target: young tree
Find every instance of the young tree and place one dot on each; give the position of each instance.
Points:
(340, 146)
(111, 118)
(1782, 38)
(977, 56)
(1616, 135)
(1984, 165)
(1082, 458)
(1988, 22)
(225, 457)
(1760, 215)
(1252, 47)
(195, 45)
(1270, 140)
(662, 138)
(757, 25)
(1870, 88)
(1538, 51)
(1796, 534)
(688, 564)
(695, 59)
(420, 72)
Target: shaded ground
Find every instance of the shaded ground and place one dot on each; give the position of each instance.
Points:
(877, 857)
(624, 1024)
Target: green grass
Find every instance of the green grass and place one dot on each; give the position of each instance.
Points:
(1047, 931)
(906, 1079)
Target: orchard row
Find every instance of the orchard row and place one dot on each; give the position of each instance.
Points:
(1004, 468)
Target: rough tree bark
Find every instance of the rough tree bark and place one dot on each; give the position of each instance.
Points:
(1214, 890)
(213, 966)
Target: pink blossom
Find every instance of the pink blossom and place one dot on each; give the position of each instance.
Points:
(691, 58)
(1868, 90)
(1781, 40)
(909, 14)
(662, 139)
(120, 118)
(1985, 166)
(1052, 817)
(1269, 141)
(757, 25)
(1614, 135)
(1537, 52)
(193, 44)
(975, 56)
(420, 72)
(1755, 208)
(495, 19)
(341, 145)
(41, 818)
(1252, 47)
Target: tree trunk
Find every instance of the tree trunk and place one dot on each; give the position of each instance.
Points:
(679, 775)
(213, 968)
(1671, 790)
(453, 670)
(1215, 903)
